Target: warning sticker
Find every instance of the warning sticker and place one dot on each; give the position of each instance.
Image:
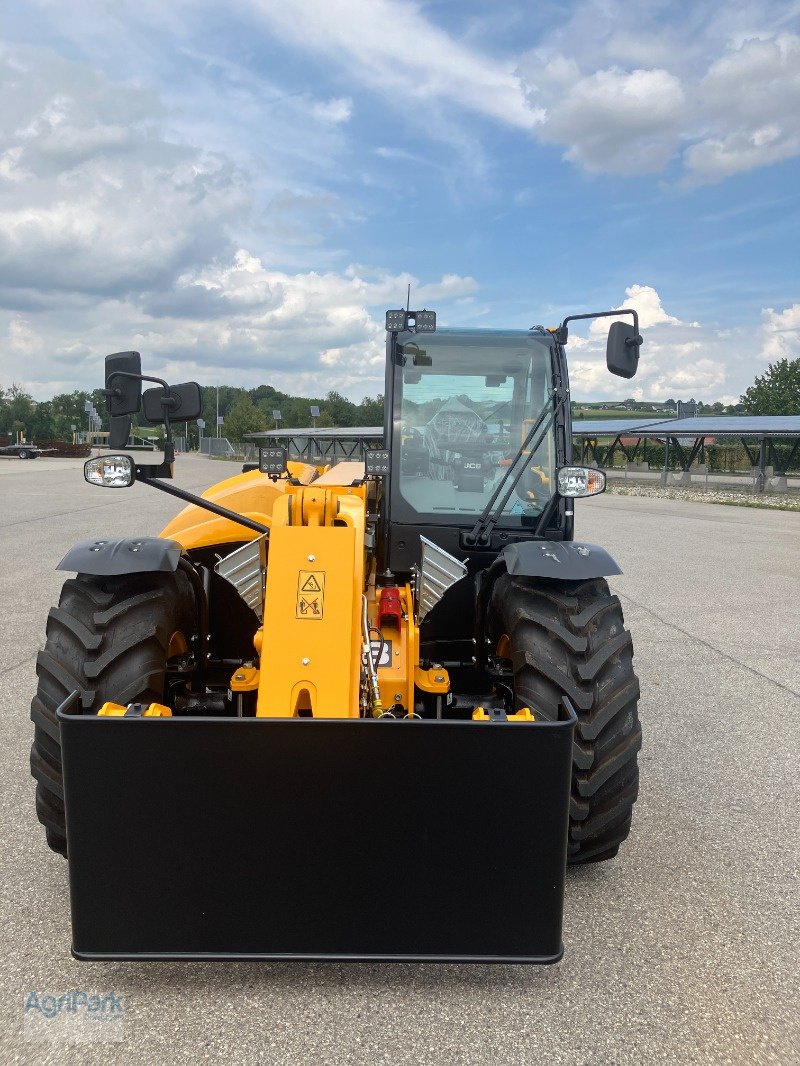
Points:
(310, 594)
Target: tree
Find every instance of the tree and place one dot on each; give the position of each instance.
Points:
(775, 392)
(17, 415)
(244, 417)
(342, 411)
(370, 412)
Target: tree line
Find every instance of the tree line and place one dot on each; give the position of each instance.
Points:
(242, 410)
(775, 392)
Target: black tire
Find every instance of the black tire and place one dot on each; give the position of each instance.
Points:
(109, 637)
(569, 638)
(22, 453)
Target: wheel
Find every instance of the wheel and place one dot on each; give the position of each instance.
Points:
(22, 453)
(569, 638)
(111, 638)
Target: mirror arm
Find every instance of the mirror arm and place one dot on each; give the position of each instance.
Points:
(189, 497)
(135, 377)
(166, 402)
(562, 333)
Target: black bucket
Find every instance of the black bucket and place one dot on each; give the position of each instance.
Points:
(219, 838)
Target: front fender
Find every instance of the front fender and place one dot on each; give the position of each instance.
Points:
(560, 560)
(122, 555)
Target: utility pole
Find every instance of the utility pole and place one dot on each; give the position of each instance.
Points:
(217, 410)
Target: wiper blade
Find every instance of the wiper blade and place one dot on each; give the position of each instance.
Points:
(480, 533)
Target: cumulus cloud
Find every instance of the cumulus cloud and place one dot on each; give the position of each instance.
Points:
(96, 198)
(719, 95)
(678, 359)
(646, 302)
(723, 100)
(780, 332)
(751, 97)
(250, 324)
(612, 120)
(116, 233)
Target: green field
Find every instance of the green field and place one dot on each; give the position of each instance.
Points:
(593, 412)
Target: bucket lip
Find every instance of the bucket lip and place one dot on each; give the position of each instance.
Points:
(567, 720)
(199, 956)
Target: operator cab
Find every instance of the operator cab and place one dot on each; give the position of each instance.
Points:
(461, 404)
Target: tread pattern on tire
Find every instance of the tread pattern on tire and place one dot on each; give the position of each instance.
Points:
(569, 638)
(108, 637)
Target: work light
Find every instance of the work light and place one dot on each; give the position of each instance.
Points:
(110, 471)
(580, 481)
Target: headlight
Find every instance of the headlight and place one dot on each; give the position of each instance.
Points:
(580, 481)
(110, 471)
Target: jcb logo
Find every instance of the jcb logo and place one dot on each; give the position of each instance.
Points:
(472, 466)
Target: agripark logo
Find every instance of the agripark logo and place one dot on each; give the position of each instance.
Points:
(82, 1017)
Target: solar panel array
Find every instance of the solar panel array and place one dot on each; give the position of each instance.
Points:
(712, 426)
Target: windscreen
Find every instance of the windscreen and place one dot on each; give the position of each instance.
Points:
(467, 402)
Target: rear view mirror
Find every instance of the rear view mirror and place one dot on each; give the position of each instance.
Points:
(622, 350)
(181, 403)
(119, 431)
(123, 392)
(494, 381)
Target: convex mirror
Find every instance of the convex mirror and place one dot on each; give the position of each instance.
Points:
(622, 350)
(181, 403)
(123, 393)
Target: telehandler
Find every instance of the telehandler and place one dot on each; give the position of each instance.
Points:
(360, 710)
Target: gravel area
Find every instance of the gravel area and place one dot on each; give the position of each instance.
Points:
(778, 501)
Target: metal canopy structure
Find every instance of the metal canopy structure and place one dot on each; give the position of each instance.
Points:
(687, 438)
(322, 444)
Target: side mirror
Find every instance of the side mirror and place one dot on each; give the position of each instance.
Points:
(123, 391)
(181, 403)
(622, 350)
(119, 431)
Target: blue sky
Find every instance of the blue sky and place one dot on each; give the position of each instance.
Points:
(240, 190)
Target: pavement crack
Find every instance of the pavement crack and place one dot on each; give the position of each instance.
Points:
(706, 644)
(22, 662)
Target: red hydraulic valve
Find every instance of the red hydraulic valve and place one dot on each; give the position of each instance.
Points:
(390, 612)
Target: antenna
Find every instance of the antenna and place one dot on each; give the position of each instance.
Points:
(408, 301)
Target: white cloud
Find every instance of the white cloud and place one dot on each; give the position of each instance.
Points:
(339, 109)
(719, 92)
(116, 233)
(780, 334)
(647, 303)
(620, 101)
(390, 46)
(678, 359)
(250, 325)
(611, 120)
(751, 99)
(107, 202)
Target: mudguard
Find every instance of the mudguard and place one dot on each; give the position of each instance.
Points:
(122, 555)
(562, 561)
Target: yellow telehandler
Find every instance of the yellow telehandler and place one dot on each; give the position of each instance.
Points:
(351, 703)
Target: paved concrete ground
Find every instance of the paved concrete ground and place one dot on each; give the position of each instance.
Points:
(681, 950)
